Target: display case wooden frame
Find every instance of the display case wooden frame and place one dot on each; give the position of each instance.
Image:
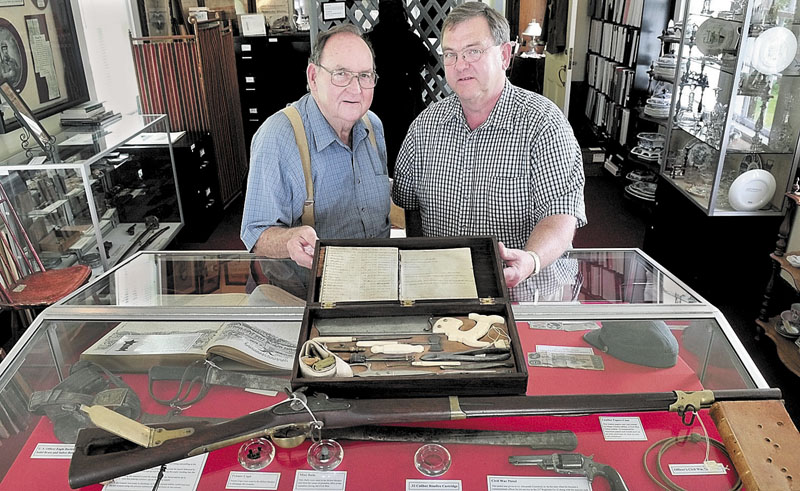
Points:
(492, 300)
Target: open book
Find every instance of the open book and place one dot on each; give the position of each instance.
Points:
(136, 346)
(356, 274)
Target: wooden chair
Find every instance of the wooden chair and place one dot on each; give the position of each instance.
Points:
(25, 285)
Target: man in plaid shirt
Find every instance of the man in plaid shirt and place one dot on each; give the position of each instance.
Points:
(492, 159)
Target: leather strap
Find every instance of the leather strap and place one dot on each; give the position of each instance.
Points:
(293, 114)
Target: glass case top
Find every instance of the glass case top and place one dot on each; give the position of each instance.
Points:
(217, 279)
(77, 144)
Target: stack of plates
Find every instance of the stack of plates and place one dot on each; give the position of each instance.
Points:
(642, 190)
(641, 175)
(658, 106)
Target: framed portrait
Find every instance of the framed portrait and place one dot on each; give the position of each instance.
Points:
(40, 59)
(25, 117)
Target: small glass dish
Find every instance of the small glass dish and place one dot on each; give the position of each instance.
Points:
(432, 460)
(325, 455)
(256, 454)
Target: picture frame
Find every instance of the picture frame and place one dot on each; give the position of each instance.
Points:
(334, 11)
(26, 118)
(41, 38)
(237, 272)
(183, 277)
(209, 278)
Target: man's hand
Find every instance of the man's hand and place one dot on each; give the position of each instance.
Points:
(519, 265)
(301, 245)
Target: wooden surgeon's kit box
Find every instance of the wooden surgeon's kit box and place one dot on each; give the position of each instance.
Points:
(408, 318)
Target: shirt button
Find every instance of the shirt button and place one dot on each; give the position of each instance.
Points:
(359, 181)
(363, 209)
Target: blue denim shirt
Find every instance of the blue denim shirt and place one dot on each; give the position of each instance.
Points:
(351, 187)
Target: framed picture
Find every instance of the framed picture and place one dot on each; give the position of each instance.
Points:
(237, 272)
(40, 59)
(184, 279)
(209, 276)
(25, 117)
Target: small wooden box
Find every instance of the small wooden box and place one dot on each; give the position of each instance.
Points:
(492, 300)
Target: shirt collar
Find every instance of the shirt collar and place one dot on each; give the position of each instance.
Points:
(502, 114)
(323, 134)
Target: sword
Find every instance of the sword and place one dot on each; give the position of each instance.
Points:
(557, 440)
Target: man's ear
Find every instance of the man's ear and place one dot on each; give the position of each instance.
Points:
(311, 76)
(505, 54)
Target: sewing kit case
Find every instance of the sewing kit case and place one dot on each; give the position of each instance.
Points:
(406, 318)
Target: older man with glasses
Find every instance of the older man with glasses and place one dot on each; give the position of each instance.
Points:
(348, 174)
(492, 159)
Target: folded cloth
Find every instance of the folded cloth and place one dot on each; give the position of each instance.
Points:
(312, 350)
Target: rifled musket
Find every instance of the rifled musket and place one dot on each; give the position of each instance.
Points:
(551, 440)
(101, 456)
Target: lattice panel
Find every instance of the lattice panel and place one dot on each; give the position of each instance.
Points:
(426, 18)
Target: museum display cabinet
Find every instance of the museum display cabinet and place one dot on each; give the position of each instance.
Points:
(149, 317)
(733, 129)
(105, 193)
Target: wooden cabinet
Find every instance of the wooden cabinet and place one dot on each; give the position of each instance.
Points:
(788, 351)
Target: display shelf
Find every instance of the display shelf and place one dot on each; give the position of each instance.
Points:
(736, 92)
(94, 188)
(172, 292)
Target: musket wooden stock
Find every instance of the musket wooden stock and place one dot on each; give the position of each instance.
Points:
(100, 456)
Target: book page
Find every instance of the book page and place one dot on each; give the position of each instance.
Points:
(130, 339)
(358, 274)
(430, 274)
(267, 343)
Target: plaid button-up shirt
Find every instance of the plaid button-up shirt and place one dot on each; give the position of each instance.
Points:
(518, 167)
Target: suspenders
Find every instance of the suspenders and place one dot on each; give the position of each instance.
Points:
(293, 114)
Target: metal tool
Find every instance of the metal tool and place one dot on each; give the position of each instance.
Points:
(475, 355)
(359, 358)
(353, 339)
(369, 372)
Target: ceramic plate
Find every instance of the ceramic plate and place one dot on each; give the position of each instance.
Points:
(780, 327)
(774, 50)
(717, 35)
(699, 154)
(751, 190)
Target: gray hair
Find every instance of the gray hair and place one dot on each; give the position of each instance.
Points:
(325, 36)
(498, 25)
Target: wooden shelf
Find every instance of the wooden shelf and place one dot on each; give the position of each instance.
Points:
(788, 352)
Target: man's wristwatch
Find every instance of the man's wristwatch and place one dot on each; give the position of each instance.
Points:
(537, 263)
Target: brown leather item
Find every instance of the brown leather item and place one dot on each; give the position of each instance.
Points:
(762, 441)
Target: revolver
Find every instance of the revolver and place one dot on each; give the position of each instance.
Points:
(573, 463)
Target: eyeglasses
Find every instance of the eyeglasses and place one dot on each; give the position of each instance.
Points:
(470, 55)
(342, 78)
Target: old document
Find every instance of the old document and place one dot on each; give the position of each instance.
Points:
(357, 274)
(431, 274)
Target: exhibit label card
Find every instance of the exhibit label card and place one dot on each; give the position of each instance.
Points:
(622, 429)
(53, 451)
(319, 481)
(183, 475)
(430, 485)
(524, 483)
(253, 480)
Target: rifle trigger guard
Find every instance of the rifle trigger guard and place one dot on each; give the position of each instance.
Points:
(691, 402)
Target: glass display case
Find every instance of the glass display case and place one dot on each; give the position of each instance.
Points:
(733, 129)
(575, 366)
(100, 187)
